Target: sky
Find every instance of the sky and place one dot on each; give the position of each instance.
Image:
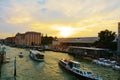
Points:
(60, 18)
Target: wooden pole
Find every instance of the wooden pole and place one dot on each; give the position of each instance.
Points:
(15, 67)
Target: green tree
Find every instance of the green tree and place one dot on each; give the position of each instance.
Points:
(46, 40)
(106, 39)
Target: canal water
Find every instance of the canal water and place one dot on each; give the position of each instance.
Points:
(28, 69)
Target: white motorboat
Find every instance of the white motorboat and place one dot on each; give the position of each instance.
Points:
(20, 54)
(36, 55)
(73, 68)
(104, 62)
(116, 67)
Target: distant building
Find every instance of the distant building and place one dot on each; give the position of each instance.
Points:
(83, 41)
(1, 41)
(20, 39)
(88, 52)
(119, 36)
(10, 40)
(29, 39)
(33, 38)
(61, 44)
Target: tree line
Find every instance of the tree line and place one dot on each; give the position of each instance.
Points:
(107, 39)
(46, 40)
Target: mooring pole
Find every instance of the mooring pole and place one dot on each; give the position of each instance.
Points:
(15, 67)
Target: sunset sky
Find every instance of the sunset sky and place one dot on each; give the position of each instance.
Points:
(61, 18)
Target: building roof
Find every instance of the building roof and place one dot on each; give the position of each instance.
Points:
(19, 34)
(78, 40)
(88, 48)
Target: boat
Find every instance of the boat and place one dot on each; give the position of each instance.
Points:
(20, 54)
(104, 62)
(7, 60)
(36, 55)
(116, 67)
(41, 50)
(73, 68)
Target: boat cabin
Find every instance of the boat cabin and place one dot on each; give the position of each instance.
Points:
(73, 67)
(37, 54)
(74, 64)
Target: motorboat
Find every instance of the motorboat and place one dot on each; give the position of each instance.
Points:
(36, 55)
(74, 68)
(7, 60)
(40, 49)
(20, 54)
(116, 67)
(104, 62)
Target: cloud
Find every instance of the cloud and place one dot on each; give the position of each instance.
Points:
(41, 1)
(3, 35)
(61, 10)
(43, 10)
(80, 15)
(1, 20)
(64, 30)
(19, 20)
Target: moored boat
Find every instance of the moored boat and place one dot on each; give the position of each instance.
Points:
(104, 62)
(73, 68)
(116, 67)
(36, 55)
(7, 60)
(20, 54)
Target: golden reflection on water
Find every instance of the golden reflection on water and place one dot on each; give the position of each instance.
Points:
(28, 69)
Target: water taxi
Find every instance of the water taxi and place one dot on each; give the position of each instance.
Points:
(36, 55)
(73, 68)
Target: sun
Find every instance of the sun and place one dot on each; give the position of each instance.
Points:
(65, 31)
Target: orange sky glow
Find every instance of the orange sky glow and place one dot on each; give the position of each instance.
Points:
(61, 18)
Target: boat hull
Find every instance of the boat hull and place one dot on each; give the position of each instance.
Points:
(39, 60)
(73, 73)
(20, 55)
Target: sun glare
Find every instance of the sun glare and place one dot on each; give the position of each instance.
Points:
(65, 31)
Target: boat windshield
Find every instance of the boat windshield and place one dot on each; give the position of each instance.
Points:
(39, 56)
(76, 64)
(89, 72)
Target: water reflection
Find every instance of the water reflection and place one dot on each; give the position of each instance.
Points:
(28, 69)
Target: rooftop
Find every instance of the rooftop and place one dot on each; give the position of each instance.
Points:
(88, 48)
(78, 40)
